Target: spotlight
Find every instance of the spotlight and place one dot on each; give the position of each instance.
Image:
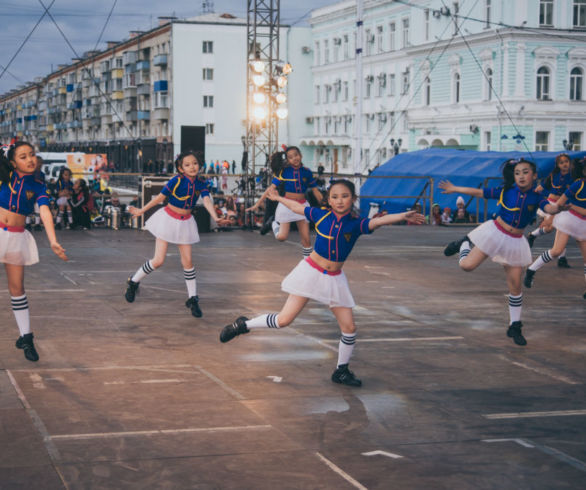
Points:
(259, 113)
(258, 97)
(258, 66)
(281, 98)
(282, 112)
(281, 81)
(259, 80)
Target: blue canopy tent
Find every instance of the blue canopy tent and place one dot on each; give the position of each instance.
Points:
(461, 167)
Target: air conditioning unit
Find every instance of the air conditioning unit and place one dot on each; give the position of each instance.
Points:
(309, 120)
(305, 49)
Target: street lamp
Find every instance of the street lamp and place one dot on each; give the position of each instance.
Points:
(396, 145)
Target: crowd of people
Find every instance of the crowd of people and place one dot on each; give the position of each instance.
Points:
(318, 275)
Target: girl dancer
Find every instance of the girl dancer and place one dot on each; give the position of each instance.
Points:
(502, 239)
(19, 191)
(175, 224)
(570, 223)
(296, 179)
(64, 192)
(320, 275)
(555, 185)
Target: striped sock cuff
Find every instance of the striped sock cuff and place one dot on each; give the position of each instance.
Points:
(464, 253)
(515, 301)
(546, 257)
(19, 302)
(585, 269)
(272, 320)
(348, 338)
(147, 267)
(307, 251)
(189, 274)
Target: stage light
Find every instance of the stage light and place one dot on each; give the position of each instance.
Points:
(259, 97)
(259, 113)
(281, 98)
(282, 112)
(259, 80)
(281, 81)
(258, 66)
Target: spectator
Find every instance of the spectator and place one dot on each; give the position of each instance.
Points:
(233, 166)
(436, 215)
(81, 205)
(460, 214)
(447, 216)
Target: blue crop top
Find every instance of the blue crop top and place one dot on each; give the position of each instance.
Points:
(64, 185)
(21, 192)
(296, 180)
(576, 193)
(336, 235)
(557, 183)
(183, 192)
(516, 208)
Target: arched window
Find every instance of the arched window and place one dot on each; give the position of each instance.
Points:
(543, 88)
(489, 88)
(456, 88)
(576, 77)
(427, 91)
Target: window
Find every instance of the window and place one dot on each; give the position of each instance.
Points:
(317, 91)
(326, 51)
(346, 47)
(579, 13)
(210, 128)
(487, 11)
(317, 54)
(427, 93)
(369, 81)
(487, 140)
(576, 77)
(208, 73)
(575, 140)
(208, 101)
(427, 24)
(405, 83)
(161, 99)
(369, 42)
(405, 121)
(543, 83)
(392, 89)
(392, 30)
(489, 88)
(456, 88)
(379, 39)
(345, 91)
(382, 82)
(336, 49)
(541, 140)
(327, 92)
(545, 13)
(406, 33)
(207, 47)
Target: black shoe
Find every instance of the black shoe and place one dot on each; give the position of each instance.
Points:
(26, 343)
(454, 247)
(29, 227)
(584, 295)
(514, 332)
(58, 226)
(344, 376)
(528, 281)
(131, 290)
(193, 303)
(531, 239)
(563, 263)
(37, 227)
(268, 226)
(235, 329)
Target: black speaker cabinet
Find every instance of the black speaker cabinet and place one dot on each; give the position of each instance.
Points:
(202, 218)
(193, 138)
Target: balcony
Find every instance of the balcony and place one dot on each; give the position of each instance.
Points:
(129, 91)
(76, 104)
(95, 121)
(142, 65)
(160, 86)
(143, 90)
(117, 73)
(131, 116)
(106, 118)
(143, 115)
(161, 113)
(129, 57)
(160, 60)
(117, 95)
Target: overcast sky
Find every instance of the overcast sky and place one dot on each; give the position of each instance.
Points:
(83, 20)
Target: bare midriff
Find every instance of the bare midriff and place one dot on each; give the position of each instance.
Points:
(578, 209)
(9, 218)
(297, 196)
(326, 264)
(179, 210)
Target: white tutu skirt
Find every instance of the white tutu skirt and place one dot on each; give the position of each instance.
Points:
(284, 215)
(173, 230)
(62, 201)
(18, 248)
(500, 246)
(571, 224)
(309, 282)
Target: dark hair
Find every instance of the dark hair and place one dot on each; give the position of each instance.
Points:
(62, 171)
(16, 145)
(278, 161)
(292, 148)
(556, 168)
(5, 166)
(509, 170)
(182, 155)
(345, 182)
(578, 168)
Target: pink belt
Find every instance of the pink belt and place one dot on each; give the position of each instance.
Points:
(13, 229)
(176, 215)
(321, 269)
(506, 232)
(575, 213)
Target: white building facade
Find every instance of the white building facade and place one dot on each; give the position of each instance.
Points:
(475, 75)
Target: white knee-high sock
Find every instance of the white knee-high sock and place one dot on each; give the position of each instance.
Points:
(142, 272)
(189, 275)
(563, 254)
(345, 348)
(21, 313)
(270, 320)
(543, 259)
(585, 272)
(515, 307)
(464, 250)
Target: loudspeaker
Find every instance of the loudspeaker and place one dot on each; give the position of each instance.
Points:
(194, 138)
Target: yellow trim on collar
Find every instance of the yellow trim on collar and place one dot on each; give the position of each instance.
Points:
(501, 203)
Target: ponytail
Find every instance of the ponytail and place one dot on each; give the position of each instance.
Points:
(5, 168)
